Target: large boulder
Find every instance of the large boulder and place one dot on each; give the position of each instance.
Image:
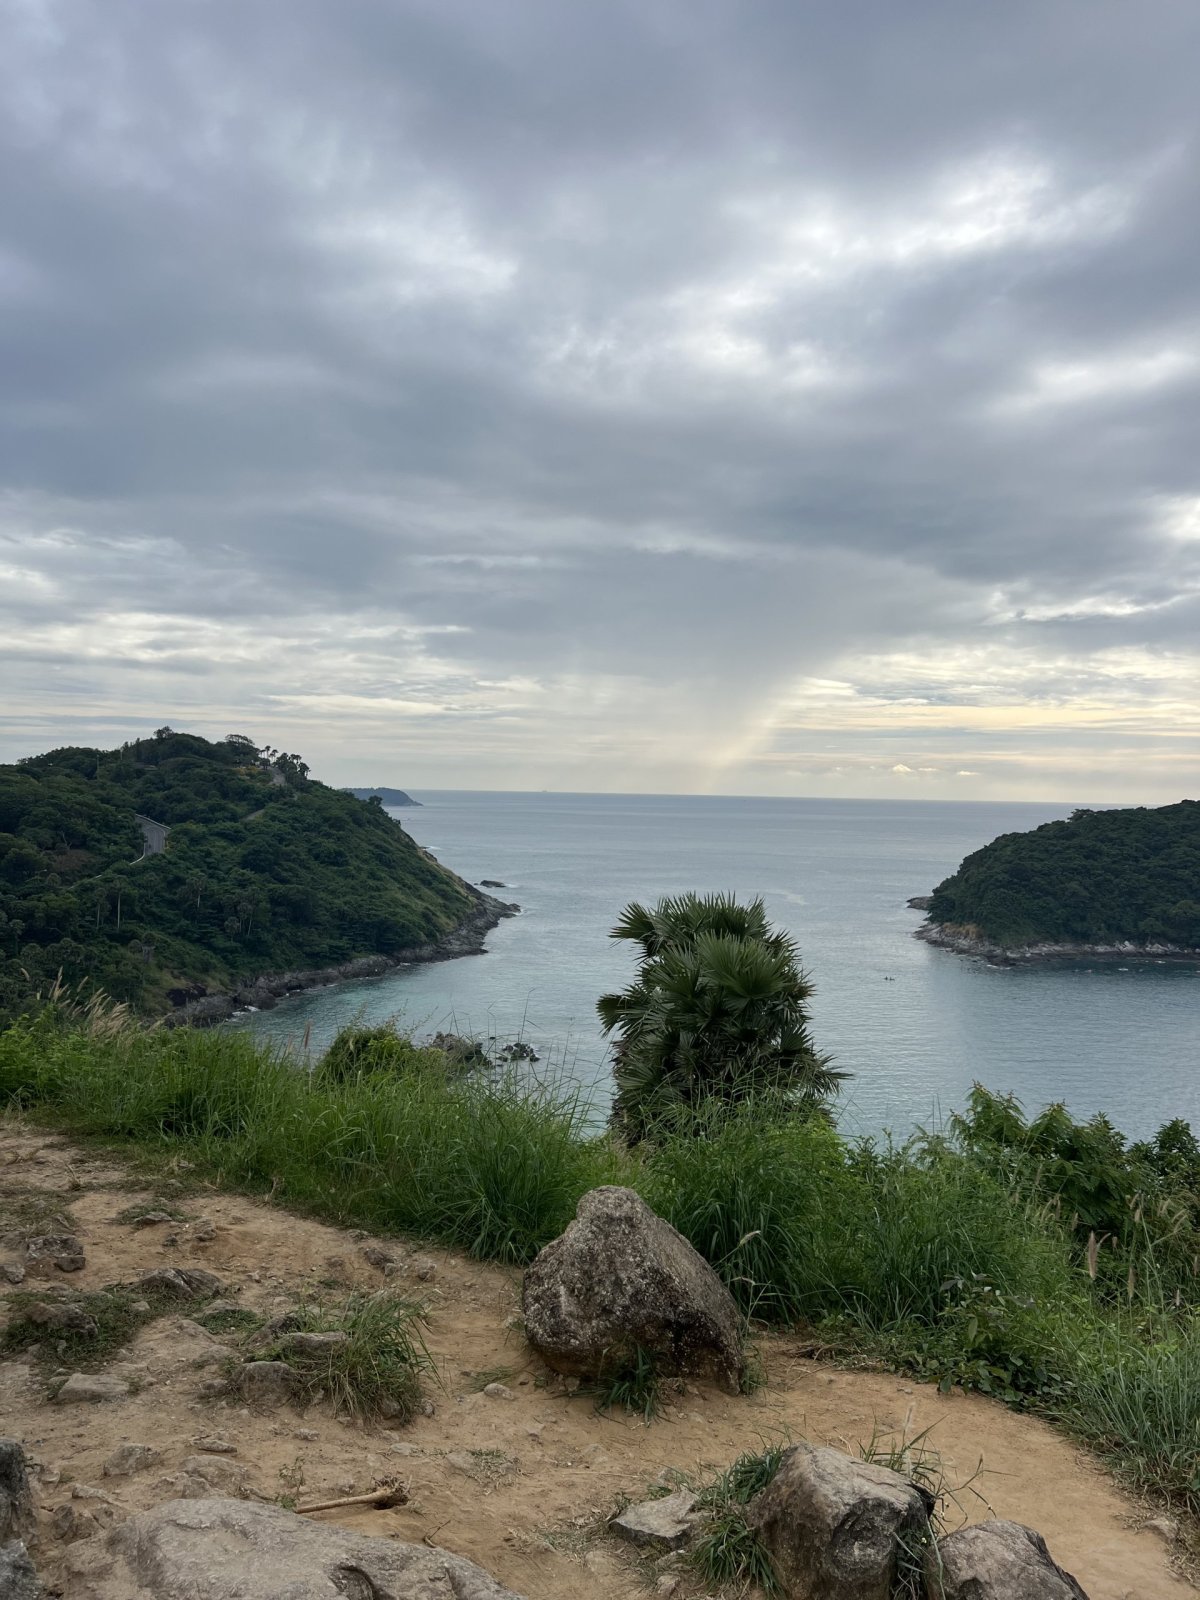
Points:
(18, 1580)
(997, 1561)
(834, 1526)
(621, 1280)
(16, 1497)
(235, 1550)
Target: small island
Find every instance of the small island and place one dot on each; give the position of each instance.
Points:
(1119, 883)
(387, 797)
(189, 877)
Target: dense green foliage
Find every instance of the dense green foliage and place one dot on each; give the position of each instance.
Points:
(965, 1258)
(264, 870)
(1103, 877)
(717, 1014)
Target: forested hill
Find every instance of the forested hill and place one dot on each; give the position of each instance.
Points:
(260, 869)
(389, 797)
(1103, 877)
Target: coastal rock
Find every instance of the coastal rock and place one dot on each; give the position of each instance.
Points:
(16, 1497)
(832, 1524)
(621, 1281)
(658, 1525)
(997, 1561)
(219, 1549)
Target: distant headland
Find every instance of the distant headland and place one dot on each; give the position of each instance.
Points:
(388, 797)
(1114, 884)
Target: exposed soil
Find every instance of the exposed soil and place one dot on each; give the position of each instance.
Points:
(523, 1486)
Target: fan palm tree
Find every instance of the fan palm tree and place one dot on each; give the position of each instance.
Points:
(717, 1012)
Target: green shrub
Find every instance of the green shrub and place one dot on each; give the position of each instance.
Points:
(375, 1370)
(360, 1052)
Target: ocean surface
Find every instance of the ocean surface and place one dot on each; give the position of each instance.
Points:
(916, 1026)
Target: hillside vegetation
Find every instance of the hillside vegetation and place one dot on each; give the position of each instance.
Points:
(1103, 877)
(264, 870)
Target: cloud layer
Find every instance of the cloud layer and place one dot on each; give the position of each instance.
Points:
(674, 396)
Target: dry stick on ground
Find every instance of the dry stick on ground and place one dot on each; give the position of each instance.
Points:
(393, 1494)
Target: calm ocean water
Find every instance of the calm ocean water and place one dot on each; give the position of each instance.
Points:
(915, 1025)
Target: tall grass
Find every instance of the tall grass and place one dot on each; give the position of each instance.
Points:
(927, 1254)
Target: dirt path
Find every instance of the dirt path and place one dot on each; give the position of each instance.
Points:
(523, 1485)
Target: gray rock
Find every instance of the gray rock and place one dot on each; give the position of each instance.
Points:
(18, 1580)
(152, 1219)
(620, 1280)
(91, 1386)
(498, 1391)
(831, 1525)
(184, 1283)
(212, 1444)
(658, 1525)
(12, 1272)
(47, 1251)
(218, 1549)
(16, 1497)
(130, 1458)
(267, 1382)
(314, 1344)
(997, 1561)
(375, 1257)
(218, 1473)
(61, 1316)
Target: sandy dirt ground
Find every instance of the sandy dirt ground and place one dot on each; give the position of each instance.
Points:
(521, 1485)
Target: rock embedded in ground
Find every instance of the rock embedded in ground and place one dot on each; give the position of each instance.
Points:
(832, 1525)
(375, 1257)
(18, 1579)
(127, 1459)
(267, 1381)
(658, 1525)
(16, 1496)
(620, 1283)
(997, 1561)
(46, 1252)
(12, 1272)
(93, 1387)
(61, 1316)
(151, 1219)
(314, 1344)
(218, 1549)
(498, 1391)
(184, 1283)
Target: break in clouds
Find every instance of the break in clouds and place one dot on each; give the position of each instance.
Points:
(682, 395)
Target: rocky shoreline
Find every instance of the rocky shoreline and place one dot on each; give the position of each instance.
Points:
(198, 1008)
(966, 943)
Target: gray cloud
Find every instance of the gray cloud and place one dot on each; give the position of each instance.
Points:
(657, 396)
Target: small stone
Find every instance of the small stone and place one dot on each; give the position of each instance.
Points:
(375, 1257)
(130, 1458)
(424, 1269)
(142, 1307)
(498, 1391)
(16, 1498)
(204, 1230)
(307, 1433)
(70, 1523)
(666, 1585)
(461, 1461)
(217, 1473)
(213, 1445)
(46, 1251)
(664, 1524)
(152, 1219)
(91, 1387)
(427, 1408)
(12, 1271)
(405, 1450)
(1166, 1528)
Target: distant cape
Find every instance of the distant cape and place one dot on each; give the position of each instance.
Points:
(390, 797)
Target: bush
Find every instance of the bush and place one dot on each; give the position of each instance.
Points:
(357, 1052)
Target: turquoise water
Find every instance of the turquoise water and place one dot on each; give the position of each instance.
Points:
(915, 1025)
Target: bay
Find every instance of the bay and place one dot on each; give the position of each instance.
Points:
(916, 1026)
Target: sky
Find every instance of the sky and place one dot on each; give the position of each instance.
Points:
(676, 396)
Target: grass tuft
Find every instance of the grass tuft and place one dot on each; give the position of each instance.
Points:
(729, 1550)
(376, 1371)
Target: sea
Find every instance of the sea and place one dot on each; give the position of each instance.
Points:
(913, 1025)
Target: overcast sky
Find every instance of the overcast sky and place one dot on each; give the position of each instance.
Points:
(782, 398)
